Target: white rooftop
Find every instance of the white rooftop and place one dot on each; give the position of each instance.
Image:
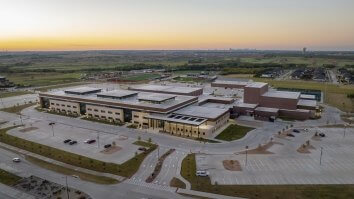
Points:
(82, 90)
(155, 97)
(202, 112)
(306, 96)
(257, 85)
(117, 93)
(282, 94)
(161, 88)
(308, 103)
(241, 83)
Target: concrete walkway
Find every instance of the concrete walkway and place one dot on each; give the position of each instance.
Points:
(178, 174)
(204, 194)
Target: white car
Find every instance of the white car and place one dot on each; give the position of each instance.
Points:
(16, 160)
(202, 173)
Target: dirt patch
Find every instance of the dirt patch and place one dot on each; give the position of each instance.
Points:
(111, 150)
(25, 130)
(283, 135)
(305, 148)
(316, 138)
(262, 149)
(122, 137)
(232, 165)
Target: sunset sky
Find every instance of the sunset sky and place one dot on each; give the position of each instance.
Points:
(176, 24)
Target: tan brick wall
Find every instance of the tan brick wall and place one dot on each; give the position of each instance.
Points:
(102, 112)
(64, 106)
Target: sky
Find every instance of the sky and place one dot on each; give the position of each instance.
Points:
(176, 24)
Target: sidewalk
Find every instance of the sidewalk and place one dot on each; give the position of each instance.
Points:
(119, 178)
(204, 194)
(14, 193)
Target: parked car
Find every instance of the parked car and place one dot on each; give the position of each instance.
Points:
(51, 123)
(107, 146)
(296, 131)
(89, 141)
(75, 176)
(73, 142)
(67, 141)
(322, 135)
(16, 160)
(290, 135)
(202, 173)
(142, 149)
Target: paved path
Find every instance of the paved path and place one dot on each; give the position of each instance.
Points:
(7, 192)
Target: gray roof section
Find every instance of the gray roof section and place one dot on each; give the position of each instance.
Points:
(282, 94)
(246, 105)
(238, 83)
(154, 97)
(256, 85)
(117, 93)
(161, 88)
(83, 90)
(202, 112)
(306, 96)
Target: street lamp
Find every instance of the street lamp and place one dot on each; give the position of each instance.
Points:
(21, 119)
(52, 125)
(345, 128)
(321, 156)
(98, 139)
(246, 155)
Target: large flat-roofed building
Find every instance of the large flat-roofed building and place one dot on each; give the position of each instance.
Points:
(170, 113)
(124, 101)
(280, 99)
(253, 92)
(190, 91)
(191, 121)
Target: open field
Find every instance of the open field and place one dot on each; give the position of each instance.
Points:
(8, 178)
(14, 93)
(263, 191)
(17, 109)
(141, 77)
(47, 88)
(233, 132)
(43, 78)
(127, 169)
(335, 95)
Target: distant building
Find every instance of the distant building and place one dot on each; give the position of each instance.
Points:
(304, 50)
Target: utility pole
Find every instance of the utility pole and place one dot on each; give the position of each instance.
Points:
(21, 119)
(158, 152)
(321, 156)
(345, 127)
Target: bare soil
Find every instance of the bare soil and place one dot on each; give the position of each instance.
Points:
(305, 148)
(111, 150)
(232, 165)
(262, 149)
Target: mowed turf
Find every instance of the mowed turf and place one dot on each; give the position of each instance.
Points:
(263, 191)
(8, 178)
(233, 132)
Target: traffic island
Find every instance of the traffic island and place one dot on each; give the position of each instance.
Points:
(158, 166)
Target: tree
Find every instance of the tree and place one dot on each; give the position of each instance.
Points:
(139, 138)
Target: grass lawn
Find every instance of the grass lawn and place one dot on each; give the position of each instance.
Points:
(175, 182)
(188, 79)
(263, 191)
(126, 169)
(43, 79)
(47, 88)
(141, 77)
(233, 132)
(103, 121)
(14, 93)
(8, 178)
(17, 109)
(144, 144)
(66, 171)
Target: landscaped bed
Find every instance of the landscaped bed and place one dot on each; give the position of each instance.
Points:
(158, 166)
(8, 178)
(233, 132)
(17, 109)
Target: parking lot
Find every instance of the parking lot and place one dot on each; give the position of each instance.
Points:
(286, 165)
(41, 132)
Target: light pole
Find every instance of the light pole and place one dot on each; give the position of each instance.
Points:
(67, 187)
(98, 139)
(21, 119)
(246, 155)
(345, 128)
(321, 156)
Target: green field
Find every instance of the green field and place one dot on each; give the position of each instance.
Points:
(8, 178)
(126, 169)
(43, 78)
(233, 132)
(263, 191)
(14, 93)
(17, 109)
(141, 77)
(69, 172)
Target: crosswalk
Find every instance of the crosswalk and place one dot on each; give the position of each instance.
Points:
(140, 182)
